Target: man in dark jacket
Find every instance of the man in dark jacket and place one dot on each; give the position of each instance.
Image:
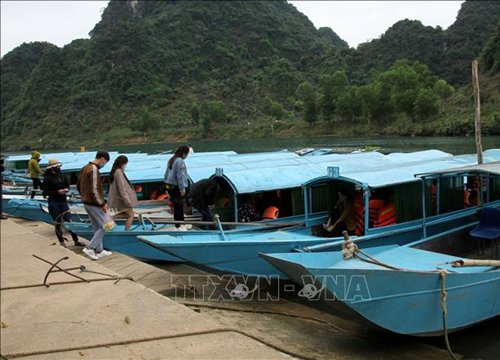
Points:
(55, 187)
(89, 186)
(203, 196)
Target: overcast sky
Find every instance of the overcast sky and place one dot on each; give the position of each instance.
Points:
(60, 22)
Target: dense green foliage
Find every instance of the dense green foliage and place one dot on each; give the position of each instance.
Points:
(162, 70)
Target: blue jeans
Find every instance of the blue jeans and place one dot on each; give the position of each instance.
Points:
(96, 216)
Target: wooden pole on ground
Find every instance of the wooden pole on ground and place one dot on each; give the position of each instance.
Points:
(477, 104)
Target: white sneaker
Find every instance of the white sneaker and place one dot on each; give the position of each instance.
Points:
(104, 253)
(90, 253)
(182, 228)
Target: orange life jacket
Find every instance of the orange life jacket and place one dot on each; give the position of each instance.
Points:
(375, 206)
(387, 216)
(272, 212)
(162, 197)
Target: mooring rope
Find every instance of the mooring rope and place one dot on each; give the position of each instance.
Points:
(351, 250)
(156, 338)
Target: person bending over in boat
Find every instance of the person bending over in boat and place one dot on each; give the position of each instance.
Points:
(55, 187)
(121, 192)
(203, 198)
(344, 209)
(34, 171)
(177, 181)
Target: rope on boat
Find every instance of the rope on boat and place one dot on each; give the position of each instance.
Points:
(351, 250)
(444, 311)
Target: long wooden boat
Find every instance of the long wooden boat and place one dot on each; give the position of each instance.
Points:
(235, 187)
(405, 288)
(409, 223)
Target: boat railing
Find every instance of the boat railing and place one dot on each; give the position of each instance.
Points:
(464, 213)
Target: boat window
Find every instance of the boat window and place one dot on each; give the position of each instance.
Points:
(408, 199)
(279, 199)
(297, 201)
(224, 201)
(322, 198)
(494, 187)
(451, 194)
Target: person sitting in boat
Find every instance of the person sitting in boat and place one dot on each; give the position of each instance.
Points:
(55, 187)
(344, 212)
(121, 192)
(177, 181)
(203, 198)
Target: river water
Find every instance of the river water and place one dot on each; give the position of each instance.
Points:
(384, 144)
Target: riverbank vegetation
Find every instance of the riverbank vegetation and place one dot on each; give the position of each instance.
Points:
(156, 71)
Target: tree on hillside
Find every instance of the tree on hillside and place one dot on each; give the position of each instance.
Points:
(350, 104)
(327, 99)
(273, 109)
(210, 113)
(308, 97)
(195, 113)
(145, 121)
(426, 104)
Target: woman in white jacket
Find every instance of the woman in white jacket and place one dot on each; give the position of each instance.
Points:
(121, 192)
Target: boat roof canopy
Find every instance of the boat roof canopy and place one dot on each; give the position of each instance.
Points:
(490, 168)
(272, 175)
(403, 173)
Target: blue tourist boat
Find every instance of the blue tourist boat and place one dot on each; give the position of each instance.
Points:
(297, 171)
(405, 288)
(249, 179)
(397, 182)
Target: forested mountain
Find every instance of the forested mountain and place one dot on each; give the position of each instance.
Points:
(180, 69)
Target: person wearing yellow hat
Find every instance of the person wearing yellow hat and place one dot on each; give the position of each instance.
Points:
(55, 187)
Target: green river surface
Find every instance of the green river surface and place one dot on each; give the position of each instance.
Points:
(384, 144)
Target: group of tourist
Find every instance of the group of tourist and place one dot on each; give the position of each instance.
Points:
(121, 196)
(123, 199)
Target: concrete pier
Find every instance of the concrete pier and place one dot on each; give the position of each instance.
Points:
(100, 319)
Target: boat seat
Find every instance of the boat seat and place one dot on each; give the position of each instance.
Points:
(488, 227)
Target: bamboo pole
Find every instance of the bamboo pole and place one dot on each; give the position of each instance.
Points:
(477, 104)
(468, 262)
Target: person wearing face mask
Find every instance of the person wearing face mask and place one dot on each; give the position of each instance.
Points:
(177, 181)
(121, 192)
(55, 187)
(89, 186)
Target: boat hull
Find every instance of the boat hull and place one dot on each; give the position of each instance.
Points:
(410, 303)
(125, 242)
